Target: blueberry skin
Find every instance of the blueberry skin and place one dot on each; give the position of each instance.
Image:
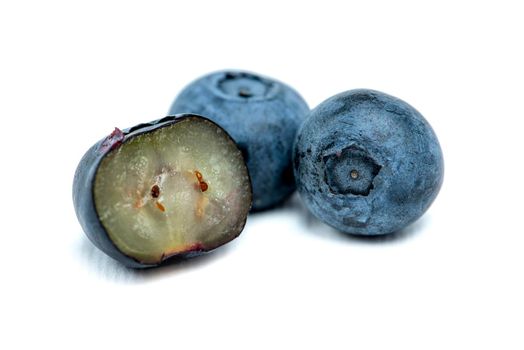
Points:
(367, 163)
(262, 115)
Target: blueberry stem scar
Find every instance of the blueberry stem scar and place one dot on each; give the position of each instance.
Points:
(354, 174)
(244, 93)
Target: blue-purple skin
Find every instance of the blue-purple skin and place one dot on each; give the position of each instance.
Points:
(262, 115)
(367, 163)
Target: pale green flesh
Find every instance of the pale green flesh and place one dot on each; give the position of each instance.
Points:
(168, 157)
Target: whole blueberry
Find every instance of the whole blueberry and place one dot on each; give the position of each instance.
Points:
(367, 163)
(262, 115)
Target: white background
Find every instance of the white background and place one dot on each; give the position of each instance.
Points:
(71, 71)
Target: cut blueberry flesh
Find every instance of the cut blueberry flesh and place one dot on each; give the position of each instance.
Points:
(367, 163)
(177, 188)
(262, 115)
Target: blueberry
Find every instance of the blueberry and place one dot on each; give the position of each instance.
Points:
(177, 186)
(262, 115)
(367, 163)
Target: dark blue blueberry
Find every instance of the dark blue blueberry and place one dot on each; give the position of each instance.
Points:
(262, 115)
(367, 163)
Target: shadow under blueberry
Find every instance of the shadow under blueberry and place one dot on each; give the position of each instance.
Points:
(312, 225)
(110, 269)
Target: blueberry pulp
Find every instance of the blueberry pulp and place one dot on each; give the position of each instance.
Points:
(262, 115)
(367, 163)
(173, 187)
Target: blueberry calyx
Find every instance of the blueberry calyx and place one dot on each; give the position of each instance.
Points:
(243, 85)
(350, 170)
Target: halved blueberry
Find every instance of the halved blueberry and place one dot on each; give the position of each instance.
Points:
(177, 186)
